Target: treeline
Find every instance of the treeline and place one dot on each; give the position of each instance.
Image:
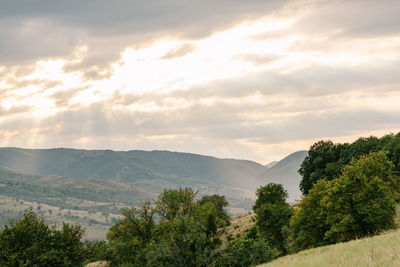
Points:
(175, 230)
(350, 191)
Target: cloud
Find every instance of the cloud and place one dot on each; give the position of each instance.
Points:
(33, 30)
(352, 18)
(14, 110)
(248, 92)
(179, 51)
(257, 59)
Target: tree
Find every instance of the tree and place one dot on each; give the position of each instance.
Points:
(187, 232)
(30, 242)
(362, 201)
(129, 237)
(220, 203)
(273, 215)
(318, 164)
(326, 160)
(308, 224)
(359, 203)
(172, 203)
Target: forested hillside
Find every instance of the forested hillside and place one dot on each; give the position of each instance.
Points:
(92, 186)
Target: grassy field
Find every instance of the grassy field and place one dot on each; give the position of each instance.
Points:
(382, 250)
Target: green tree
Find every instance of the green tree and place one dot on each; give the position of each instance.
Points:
(273, 215)
(362, 201)
(326, 160)
(172, 203)
(308, 223)
(220, 203)
(186, 232)
(318, 164)
(30, 242)
(359, 203)
(129, 237)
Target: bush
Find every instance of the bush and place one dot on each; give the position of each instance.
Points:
(247, 250)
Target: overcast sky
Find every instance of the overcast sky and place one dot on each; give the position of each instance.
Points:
(253, 79)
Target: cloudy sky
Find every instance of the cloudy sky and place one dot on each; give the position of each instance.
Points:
(253, 79)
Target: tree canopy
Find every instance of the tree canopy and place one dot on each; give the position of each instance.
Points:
(326, 160)
(31, 242)
(359, 203)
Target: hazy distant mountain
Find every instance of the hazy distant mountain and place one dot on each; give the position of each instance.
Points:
(155, 170)
(131, 166)
(285, 172)
(269, 165)
(87, 183)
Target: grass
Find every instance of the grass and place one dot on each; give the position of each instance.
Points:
(382, 250)
(238, 226)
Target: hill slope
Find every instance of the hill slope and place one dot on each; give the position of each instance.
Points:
(382, 250)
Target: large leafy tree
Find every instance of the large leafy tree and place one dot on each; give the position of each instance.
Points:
(319, 163)
(273, 215)
(176, 231)
(30, 242)
(326, 160)
(129, 237)
(359, 203)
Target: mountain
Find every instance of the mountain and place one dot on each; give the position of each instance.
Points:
(156, 168)
(272, 163)
(130, 166)
(93, 185)
(285, 173)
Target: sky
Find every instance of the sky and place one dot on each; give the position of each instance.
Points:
(253, 79)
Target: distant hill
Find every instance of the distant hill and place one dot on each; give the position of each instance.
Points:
(155, 168)
(131, 166)
(285, 172)
(269, 165)
(104, 181)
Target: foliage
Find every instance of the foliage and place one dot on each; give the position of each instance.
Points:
(247, 250)
(359, 203)
(308, 224)
(326, 160)
(220, 203)
(273, 215)
(129, 237)
(319, 163)
(172, 203)
(30, 242)
(187, 232)
(97, 251)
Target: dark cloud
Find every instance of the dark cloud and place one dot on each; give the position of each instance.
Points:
(310, 81)
(356, 18)
(34, 29)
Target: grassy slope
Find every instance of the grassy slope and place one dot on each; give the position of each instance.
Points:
(382, 250)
